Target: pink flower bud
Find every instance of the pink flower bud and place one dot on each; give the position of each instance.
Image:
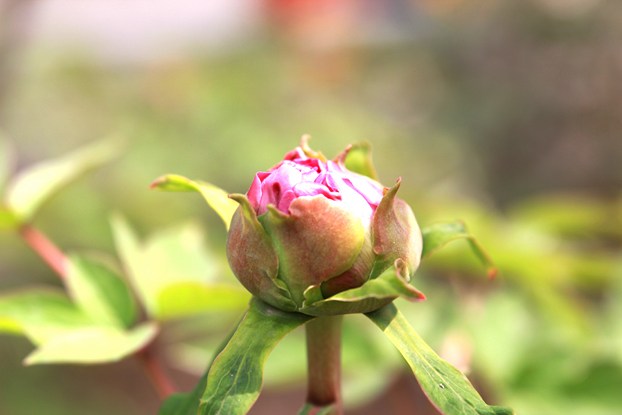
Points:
(310, 222)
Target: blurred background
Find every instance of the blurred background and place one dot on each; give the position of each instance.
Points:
(507, 115)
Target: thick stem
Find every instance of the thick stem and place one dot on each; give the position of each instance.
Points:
(324, 362)
(49, 252)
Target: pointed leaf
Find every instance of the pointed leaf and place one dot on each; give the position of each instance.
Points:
(93, 345)
(100, 292)
(215, 197)
(185, 299)
(446, 387)
(370, 296)
(32, 187)
(235, 377)
(438, 235)
(40, 314)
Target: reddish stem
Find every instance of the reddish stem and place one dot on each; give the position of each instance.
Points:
(156, 374)
(46, 249)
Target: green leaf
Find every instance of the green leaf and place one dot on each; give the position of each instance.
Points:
(446, 387)
(32, 187)
(93, 345)
(310, 409)
(40, 314)
(8, 220)
(6, 160)
(438, 235)
(100, 292)
(189, 298)
(359, 160)
(215, 197)
(235, 377)
(174, 256)
(370, 296)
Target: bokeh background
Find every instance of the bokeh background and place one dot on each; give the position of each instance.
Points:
(507, 115)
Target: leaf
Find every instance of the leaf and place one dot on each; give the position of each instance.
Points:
(8, 220)
(215, 197)
(358, 160)
(100, 292)
(445, 386)
(93, 345)
(235, 377)
(189, 298)
(6, 160)
(310, 409)
(40, 314)
(438, 235)
(174, 256)
(370, 296)
(33, 186)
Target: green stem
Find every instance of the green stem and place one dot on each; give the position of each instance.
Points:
(324, 362)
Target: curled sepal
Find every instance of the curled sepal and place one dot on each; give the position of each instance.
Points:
(357, 158)
(253, 259)
(396, 233)
(215, 197)
(445, 386)
(438, 235)
(235, 377)
(374, 294)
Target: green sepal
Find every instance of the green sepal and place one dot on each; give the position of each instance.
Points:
(445, 386)
(253, 259)
(376, 293)
(357, 158)
(438, 235)
(318, 240)
(396, 233)
(27, 191)
(235, 377)
(215, 197)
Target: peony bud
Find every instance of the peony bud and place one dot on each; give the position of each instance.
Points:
(310, 223)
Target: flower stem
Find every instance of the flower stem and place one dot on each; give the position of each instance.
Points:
(324, 362)
(45, 248)
(155, 372)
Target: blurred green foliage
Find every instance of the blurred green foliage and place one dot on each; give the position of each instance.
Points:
(482, 118)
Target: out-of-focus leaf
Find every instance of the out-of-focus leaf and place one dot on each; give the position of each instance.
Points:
(8, 220)
(93, 345)
(100, 292)
(40, 314)
(438, 235)
(309, 409)
(372, 295)
(189, 298)
(174, 256)
(359, 160)
(215, 197)
(568, 215)
(235, 377)
(33, 186)
(6, 160)
(446, 387)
